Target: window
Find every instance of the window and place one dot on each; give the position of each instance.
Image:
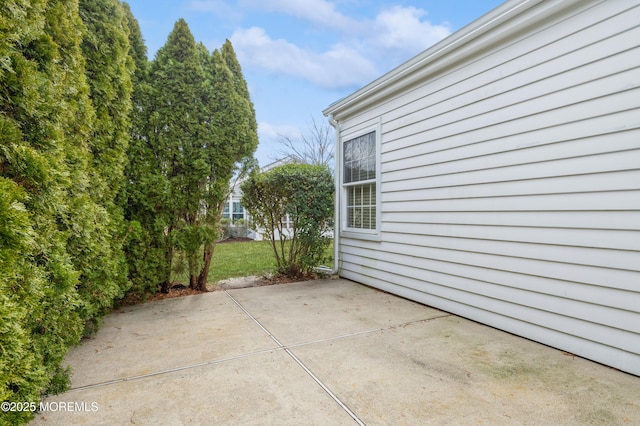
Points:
(238, 211)
(286, 223)
(360, 182)
(236, 214)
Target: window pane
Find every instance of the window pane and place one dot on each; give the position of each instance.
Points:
(372, 217)
(360, 158)
(361, 206)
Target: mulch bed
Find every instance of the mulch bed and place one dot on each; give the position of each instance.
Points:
(235, 240)
(179, 290)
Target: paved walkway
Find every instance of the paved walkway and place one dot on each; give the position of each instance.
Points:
(328, 352)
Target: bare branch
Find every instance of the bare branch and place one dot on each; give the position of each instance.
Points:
(316, 146)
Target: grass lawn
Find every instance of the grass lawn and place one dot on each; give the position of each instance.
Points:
(242, 259)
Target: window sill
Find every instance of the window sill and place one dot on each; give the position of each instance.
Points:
(368, 236)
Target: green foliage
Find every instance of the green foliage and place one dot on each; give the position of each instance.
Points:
(304, 193)
(98, 251)
(234, 141)
(177, 133)
(38, 300)
(145, 195)
(19, 366)
(60, 264)
(193, 129)
(77, 101)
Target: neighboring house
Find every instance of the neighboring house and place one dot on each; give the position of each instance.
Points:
(497, 176)
(234, 210)
(239, 220)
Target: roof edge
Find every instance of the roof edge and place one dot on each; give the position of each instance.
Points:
(468, 33)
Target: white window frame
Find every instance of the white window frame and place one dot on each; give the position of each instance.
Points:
(360, 233)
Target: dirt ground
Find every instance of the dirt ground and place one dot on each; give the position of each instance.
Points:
(179, 290)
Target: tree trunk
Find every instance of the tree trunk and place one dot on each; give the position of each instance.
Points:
(201, 284)
(193, 278)
(193, 281)
(166, 284)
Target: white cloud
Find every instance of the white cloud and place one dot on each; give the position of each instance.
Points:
(396, 27)
(362, 48)
(339, 67)
(321, 12)
(402, 28)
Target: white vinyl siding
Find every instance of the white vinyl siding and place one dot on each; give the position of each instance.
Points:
(510, 180)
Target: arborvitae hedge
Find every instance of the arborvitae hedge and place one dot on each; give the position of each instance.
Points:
(59, 268)
(142, 194)
(107, 167)
(108, 66)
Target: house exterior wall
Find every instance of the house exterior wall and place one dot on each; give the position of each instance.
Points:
(509, 176)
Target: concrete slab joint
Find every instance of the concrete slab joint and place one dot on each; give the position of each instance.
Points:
(327, 352)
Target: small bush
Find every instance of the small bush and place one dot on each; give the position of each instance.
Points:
(302, 192)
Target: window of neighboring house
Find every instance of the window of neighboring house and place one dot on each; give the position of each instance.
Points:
(238, 211)
(360, 182)
(286, 222)
(225, 212)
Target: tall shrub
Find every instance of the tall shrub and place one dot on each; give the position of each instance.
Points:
(199, 124)
(98, 252)
(45, 122)
(304, 193)
(233, 142)
(60, 265)
(177, 80)
(143, 195)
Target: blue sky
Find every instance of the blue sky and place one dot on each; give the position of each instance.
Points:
(299, 56)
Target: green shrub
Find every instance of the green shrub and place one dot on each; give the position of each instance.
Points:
(302, 192)
(61, 264)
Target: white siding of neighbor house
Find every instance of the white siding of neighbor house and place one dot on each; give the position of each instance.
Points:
(510, 180)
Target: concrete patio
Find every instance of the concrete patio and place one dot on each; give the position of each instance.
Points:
(327, 352)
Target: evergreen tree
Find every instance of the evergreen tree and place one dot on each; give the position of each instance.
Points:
(234, 140)
(239, 83)
(177, 78)
(60, 166)
(146, 189)
(248, 138)
(70, 71)
(202, 124)
(45, 120)
(108, 67)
